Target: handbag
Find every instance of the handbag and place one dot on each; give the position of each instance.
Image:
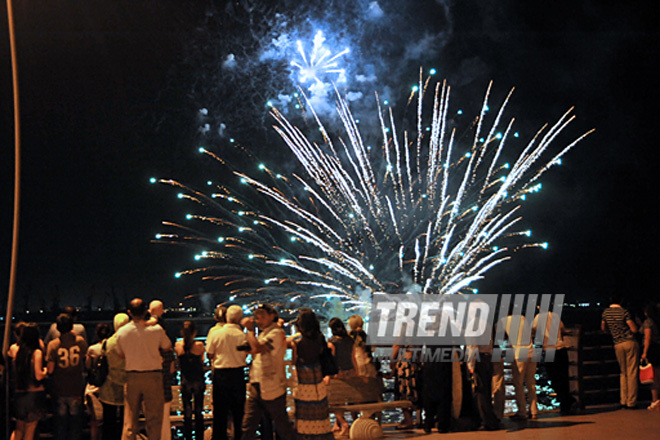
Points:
(328, 364)
(98, 373)
(646, 373)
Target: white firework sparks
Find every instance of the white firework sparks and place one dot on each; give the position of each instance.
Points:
(423, 211)
(319, 63)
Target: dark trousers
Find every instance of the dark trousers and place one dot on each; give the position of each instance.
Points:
(113, 421)
(483, 370)
(558, 375)
(228, 397)
(68, 417)
(437, 395)
(256, 407)
(192, 395)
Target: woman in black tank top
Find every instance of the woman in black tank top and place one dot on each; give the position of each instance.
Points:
(190, 354)
(29, 392)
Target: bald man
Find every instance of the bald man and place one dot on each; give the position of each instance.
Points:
(140, 345)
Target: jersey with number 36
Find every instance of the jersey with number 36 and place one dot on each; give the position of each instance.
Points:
(68, 353)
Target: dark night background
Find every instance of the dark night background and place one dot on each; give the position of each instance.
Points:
(110, 91)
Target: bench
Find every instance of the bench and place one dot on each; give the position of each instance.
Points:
(354, 395)
(367, 410)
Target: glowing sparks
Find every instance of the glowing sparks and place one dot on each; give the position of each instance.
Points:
(319, 63)
(427, 215)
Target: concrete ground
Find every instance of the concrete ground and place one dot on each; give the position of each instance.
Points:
(602, 423)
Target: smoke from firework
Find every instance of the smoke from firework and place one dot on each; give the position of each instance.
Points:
(273, 49)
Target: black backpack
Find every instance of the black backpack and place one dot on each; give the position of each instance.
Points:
(99, 370)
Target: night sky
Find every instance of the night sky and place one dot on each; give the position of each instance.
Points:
(111, 93)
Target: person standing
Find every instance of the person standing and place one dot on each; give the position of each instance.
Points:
(29, 391)
(92, 402)
(78, 329)
(619, 323)
(480, 365)
(140, 345)
(363, 355)
(342, 347)
(111, 393)
(519, 334)
(190, 355)
(156, 311)
(220, 316)
(558, 368)
(436, 394)
(228, 373)
(651, 351)
(312, 416)
(65, 357)
(267, 389)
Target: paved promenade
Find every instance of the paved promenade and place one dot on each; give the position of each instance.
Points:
(596, 424)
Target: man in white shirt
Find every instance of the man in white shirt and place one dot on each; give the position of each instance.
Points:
(140, 345)
(267, 390)
(227, 349)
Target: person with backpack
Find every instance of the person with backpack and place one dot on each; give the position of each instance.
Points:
(111, 393)
(65, 356)
(97, 367)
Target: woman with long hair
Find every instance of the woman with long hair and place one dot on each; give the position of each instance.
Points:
(343, 384)
(29, 391)
(190, 354)
(312, 417)
(651, 351)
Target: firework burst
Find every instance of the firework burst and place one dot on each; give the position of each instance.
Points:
(423, 211)
(319, 63)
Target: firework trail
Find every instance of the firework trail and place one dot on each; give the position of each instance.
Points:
(423, 212)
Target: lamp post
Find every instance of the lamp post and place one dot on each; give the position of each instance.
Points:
(17, 192)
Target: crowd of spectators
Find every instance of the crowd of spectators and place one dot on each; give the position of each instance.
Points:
(136, 393)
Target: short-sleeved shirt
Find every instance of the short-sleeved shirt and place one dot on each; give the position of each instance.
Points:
(222, 343)
(68, 353)
(95, 350)
(140, 344)
(53, 333)
(215, 328)
(617, 319)
(548, 318)
(655, 331)
(112, 390)
(268, 367)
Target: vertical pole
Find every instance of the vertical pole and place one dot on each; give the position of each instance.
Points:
(17, 179)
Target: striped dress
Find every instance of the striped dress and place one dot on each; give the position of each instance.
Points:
(312, 417)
